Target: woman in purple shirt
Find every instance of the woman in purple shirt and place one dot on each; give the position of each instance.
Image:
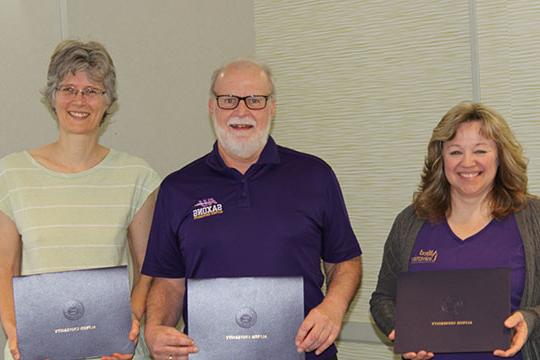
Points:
(472, 210)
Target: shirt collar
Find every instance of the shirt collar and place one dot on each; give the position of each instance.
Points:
(269, 155)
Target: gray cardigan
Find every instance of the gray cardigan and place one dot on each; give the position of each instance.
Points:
(397, 251)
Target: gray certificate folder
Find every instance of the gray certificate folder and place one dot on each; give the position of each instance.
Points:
(453, 310)
(245, 318)
(73, 314)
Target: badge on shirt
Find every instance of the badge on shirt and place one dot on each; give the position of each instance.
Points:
(206, 207)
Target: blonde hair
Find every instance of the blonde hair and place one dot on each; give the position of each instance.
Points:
(509, 193)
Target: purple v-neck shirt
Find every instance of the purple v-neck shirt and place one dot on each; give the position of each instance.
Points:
(498, 244)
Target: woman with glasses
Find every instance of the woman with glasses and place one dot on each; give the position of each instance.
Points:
(75, 204)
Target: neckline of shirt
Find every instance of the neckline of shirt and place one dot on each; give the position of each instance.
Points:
(470, 237)
(86, 172)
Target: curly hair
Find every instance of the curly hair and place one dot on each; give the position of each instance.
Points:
(432, 201)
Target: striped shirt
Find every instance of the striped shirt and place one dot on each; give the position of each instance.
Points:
(71, 221)
(74, 221)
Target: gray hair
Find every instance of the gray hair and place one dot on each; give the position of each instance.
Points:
(72, 56)
(243, 61)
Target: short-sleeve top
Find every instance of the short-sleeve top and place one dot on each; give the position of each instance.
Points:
(280, 218)
(74, 221)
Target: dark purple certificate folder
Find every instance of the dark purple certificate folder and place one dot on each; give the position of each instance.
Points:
(73, 314)
(452, 311)
(245, 318)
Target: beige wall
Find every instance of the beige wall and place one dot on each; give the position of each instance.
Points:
(164, 52)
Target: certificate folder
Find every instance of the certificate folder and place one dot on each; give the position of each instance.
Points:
(73, 314)
(452, 311)
(245, 318)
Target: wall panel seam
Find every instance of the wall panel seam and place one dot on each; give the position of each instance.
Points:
(475, 61)
(63, 16)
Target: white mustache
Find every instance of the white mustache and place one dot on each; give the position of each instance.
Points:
(241, 121)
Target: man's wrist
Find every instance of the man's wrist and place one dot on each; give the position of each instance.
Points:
(337, 306)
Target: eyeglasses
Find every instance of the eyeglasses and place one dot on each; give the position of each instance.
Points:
(69, 92)
(253, 102)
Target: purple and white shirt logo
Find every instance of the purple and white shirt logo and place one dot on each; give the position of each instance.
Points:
(206, 202)
(206, 207)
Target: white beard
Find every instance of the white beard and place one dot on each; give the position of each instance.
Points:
(241, 146)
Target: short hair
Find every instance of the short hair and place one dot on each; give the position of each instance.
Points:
(72, 56)
(509, 193)
(243, 62)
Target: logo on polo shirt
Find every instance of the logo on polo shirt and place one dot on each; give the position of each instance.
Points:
(206, 207)
(425, 257)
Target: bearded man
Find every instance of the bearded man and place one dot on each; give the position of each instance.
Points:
(250, 208)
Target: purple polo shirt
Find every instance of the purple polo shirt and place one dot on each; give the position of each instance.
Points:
(279, 219)
(498, 244)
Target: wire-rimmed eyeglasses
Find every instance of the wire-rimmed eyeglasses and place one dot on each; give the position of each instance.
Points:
(89, 92)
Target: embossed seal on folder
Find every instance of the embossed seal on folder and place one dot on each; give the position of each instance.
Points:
(73, 309)
(246, 317)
